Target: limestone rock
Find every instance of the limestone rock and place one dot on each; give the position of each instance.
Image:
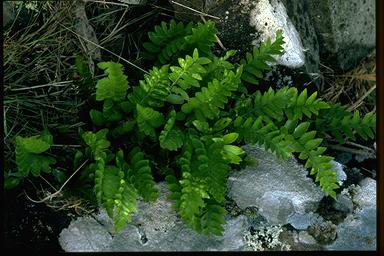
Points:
(277, 188)
(84, 235)
(345, 29)
(357, 232)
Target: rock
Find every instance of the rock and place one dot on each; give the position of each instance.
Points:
(84, 235)
(267, 17)
(297, 11)
(303, 221)
(357, 232)
(155, 227)
(306, 238)
(343, 35)
(341, 175)
(343, 203)
(277, 188)
(323, 231)
(366, 194)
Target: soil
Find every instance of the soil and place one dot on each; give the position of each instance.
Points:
(29, 226)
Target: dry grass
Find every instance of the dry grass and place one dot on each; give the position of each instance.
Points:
(40, 50)
(355, 88)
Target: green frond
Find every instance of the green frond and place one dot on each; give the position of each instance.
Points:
(208, 102)
(193, 193)
(175, 189)
(212, 219)
(140, 175)
(257, 62)
(29, 156)
(188, 74)
(148, 119)
(171, 137)
(167, 41)
(113, 87)
(257, 131)
(202, 37)
(300, 104)
(345, 125)
(125, 205)
(305, 143)
(97, 143)
(153, 90)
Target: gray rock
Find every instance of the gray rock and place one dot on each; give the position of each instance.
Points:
(156, 227)
(341, 175)
(306, 238)
(298, 14)
(277, 188)
(303, 221)
(366, 194)
(267, 17)
(343, 203)
(357, 232)
(345, 29)
(84, 235)
(323, 231)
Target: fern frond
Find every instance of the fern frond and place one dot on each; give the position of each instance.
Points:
(345, 125)
(29, 156)
(188, 73)
(148, 119)
(192, 198)
(167, 40)
(175, 189)
(256, 131)
(202, 37)
(113, 87)
(125, 205)
(212, 219)
(256, 63)
(300, 104)
(153, 90)
(171, 137)
(97, 143)
(305, 143)
(208, 102)
(140, 175)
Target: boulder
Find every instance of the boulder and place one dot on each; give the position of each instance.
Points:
(155, 227)
(357, 232)
(276, 187)
(345, 29)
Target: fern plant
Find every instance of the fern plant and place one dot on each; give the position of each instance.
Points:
(186, 120)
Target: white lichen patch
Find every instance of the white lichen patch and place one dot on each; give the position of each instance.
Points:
(267, 17)
(265, 237)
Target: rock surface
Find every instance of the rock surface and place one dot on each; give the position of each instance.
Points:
(267, 17)
(84, 235)
(277, 188)
(357, 232)
(155, 228)
(345, 29)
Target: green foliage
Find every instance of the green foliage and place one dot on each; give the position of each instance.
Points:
(168, 42)
(30, 157)
(115, 85)
(184, 122)
(346, 125)
(256, 62)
